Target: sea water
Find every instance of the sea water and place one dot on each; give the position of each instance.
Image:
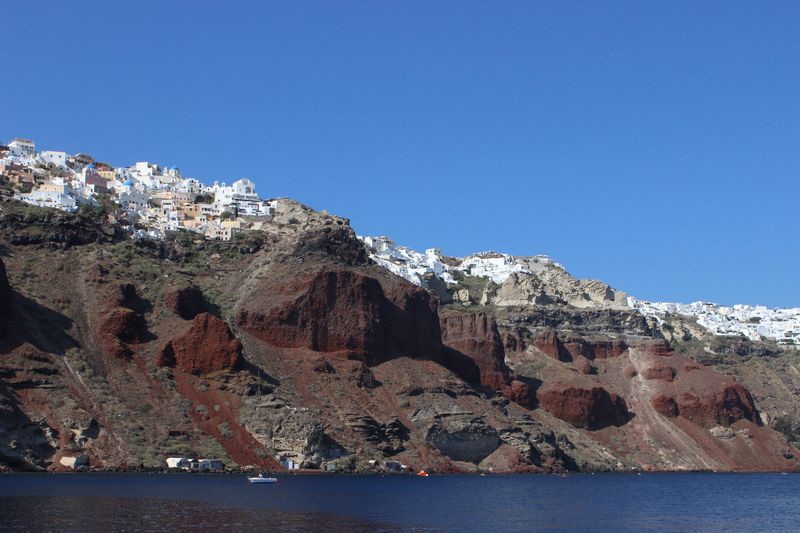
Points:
(493, 503)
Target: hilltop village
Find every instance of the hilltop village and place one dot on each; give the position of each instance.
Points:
(754, 322)
(155, 199)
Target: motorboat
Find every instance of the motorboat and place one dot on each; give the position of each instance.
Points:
(261, 478)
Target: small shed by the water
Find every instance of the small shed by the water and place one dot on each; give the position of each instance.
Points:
(75, 462)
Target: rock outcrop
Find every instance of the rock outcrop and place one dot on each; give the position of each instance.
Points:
(5, 292)
(553, 285)
(709, 408)
(6, 303)
(207, 346)
(474, 350)
(348, 312)
(463, 440)
(584, 407)
(187, 301)
(120, 327)
(567, 346)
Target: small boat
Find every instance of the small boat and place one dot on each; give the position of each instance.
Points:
(261, 478)
(422, 473)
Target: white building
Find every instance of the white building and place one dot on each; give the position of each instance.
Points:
(143, 168)
(22, 147)
(178, 462)
(245, 188)
(75, 462)
(381, 245)
(56, 194)
(208, 464)
(290, 464)
(190, 186)
(132, 198)
(58, 159)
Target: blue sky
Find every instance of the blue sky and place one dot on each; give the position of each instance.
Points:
(653, 145)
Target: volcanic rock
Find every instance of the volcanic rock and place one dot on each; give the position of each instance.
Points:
(659, 370)
(583, 365)
(547, 342)
(722, 407)
(590, 407)
(5, 292)
(474, 351)
(119, 327)
(207, 346)
(665, 405)
(342, 310)
(187, 302)
(608, 348)
(6, 305)
(463, 440)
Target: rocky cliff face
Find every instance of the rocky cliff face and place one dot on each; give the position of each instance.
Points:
(343, 311)
(590, 407)
(6, 304)
(207, 346)
(292, 344)
(474, 350)
(5, 290)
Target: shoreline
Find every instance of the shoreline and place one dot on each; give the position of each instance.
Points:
(389, 474)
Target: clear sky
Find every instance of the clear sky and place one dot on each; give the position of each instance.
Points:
(653, 145)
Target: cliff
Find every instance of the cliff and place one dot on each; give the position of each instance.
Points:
(292, 343)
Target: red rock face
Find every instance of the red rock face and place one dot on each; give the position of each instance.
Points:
(692, 391)
(187, 302)
(121, 326)
(520, 393)
(577, 347)
(659, 370)
(342, 310)
(207, 346)
(547, 342)
(608, 348)
(583, 365)
(665, 405)
(658, 347)
(584, 407)
(474, 351)
(723, 407)
(567, 347)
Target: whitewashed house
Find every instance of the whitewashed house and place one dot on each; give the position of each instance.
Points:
(190, 186)
(244, 188)
(75, 462)
(132, 198)
(178, 462)
(22, 147)
(290, 464)
(381, 245)
(55, 194)
(57, 159)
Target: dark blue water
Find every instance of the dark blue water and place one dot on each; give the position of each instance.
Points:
(610, 502)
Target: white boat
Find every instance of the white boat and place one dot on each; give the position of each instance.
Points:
(262, 479)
